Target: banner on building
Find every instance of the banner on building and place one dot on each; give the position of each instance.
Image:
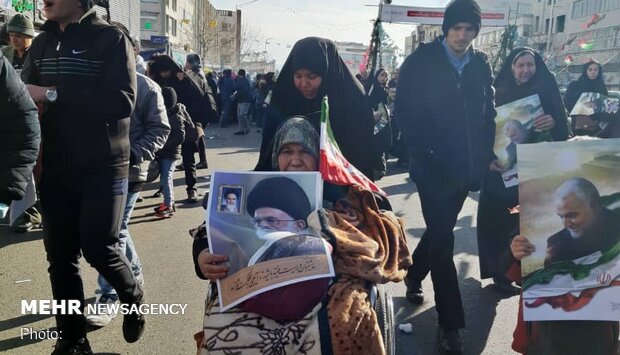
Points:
(434, 15)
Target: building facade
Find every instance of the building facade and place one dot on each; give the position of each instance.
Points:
(571, 32)
(259, 66)
(168, 26)
(354, 54)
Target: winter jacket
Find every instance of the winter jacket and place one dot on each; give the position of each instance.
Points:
(243, 89)
(172, 148)
(19, 134)
(92, 66)
(149, 128)
(447, 120)
(209, 109)
(227, 88)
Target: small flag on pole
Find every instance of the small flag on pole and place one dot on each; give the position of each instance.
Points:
(334, 167)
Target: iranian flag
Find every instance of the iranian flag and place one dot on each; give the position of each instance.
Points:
(334, 167)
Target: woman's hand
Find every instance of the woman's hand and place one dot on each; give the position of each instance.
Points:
(544, 123)
(495, 165)
(521, 247)
(209, 267)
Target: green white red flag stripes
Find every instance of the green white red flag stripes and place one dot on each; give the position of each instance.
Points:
(334, 167)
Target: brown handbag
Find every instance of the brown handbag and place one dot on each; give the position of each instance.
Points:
(583, 124)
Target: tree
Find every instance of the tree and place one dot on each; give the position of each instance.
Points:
(509, 38)
(216, 41)
(250, 39)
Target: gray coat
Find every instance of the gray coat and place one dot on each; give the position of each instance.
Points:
(149, 127)
(19, 134)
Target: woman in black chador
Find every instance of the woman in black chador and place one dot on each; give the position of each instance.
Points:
(591, 80)
(523, 74)
(312, 70)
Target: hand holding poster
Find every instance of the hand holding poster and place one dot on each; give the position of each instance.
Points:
(259, 221)
(569, 195)
(514, 125)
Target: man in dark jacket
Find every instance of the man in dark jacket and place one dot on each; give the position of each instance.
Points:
(227, 89)
(148, 132)
(193, 69)
(20, 138)
(84, 71)
(243, 94)
(445, 109)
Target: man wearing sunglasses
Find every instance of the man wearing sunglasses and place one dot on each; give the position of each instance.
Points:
(280, 208)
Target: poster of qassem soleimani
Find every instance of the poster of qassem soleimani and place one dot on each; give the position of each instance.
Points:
(569, 195)
(259, 220)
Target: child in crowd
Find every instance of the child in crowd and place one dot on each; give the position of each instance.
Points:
(171, 151)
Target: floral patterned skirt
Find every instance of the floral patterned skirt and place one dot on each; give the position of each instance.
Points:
(237, 332)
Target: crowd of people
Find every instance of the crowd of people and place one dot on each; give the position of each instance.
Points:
(92, 131)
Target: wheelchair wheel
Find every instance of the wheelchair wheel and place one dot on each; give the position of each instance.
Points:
(385, 317)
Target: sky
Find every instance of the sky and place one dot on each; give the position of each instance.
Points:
(280, 23)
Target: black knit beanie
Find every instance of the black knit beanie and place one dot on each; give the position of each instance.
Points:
(462, 11)
(281, 193)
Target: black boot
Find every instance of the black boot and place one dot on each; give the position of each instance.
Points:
(192, 195)
(414, 293)
(449, 341)
(72, 347)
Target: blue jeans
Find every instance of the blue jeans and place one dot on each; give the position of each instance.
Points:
(166, 169)
(126, 246)
(243, 111)
(225, 117)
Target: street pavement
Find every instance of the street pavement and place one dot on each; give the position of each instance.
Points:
(164, 247)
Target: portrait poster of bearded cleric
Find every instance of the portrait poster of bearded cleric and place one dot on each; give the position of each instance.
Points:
(260, 221)
(569, 196)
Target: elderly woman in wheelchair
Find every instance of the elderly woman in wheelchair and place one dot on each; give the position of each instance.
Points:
(323, 316)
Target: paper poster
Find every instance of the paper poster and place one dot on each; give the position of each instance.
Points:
(513, 127)
(591, 103)
(259, 220)
(569, 195)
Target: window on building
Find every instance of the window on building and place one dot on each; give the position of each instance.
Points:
(559, 24)
(171, 26)
(547, 26)
(591, 8)
(577, 6)
(537, 25)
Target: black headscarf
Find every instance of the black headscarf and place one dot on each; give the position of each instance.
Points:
(585, 84)
(376, 92)
(350, 115)
(542, 83)
(189, 92)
